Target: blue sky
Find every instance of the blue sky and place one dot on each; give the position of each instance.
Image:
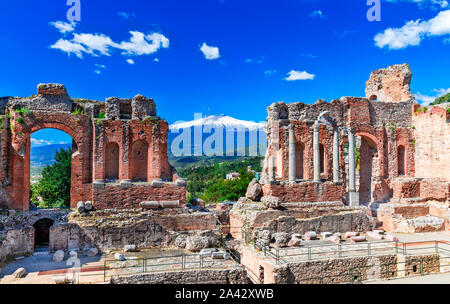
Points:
(221, 56)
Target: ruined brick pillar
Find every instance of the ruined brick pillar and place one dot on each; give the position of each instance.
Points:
(292, 173)
(336, 178)
(353, 194)
(271, 169)
(316, 149)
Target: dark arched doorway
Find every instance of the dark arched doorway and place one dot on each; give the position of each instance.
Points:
(401, 163)
(112, 161)
(139, 161)
(42, 232)
(299, 158)
(368, 168)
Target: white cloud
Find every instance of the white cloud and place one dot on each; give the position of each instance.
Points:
(309, 55)
(210, 52)
(256, 60)
(97, 72)
(126, 15)
(435, 4)
(426, 100)
(64, 27)
(130, 61)
(94, 43)
(156, 59)
(317, 13)
(40, 142)
(296, 75)
(270, 72)
(413, 32)
(100, 66)
(102, 45)
(69, 47)
(139, 43)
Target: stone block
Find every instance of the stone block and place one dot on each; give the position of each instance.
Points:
(125, 184)
(20, 273)
(130, 248)
(119, 257)
(358, 239)
(310, 235)
(58, 256)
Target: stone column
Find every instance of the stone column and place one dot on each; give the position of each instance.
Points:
(336, 155)
(271, 169)
(353, 195)
(292, 173)
(316, 149)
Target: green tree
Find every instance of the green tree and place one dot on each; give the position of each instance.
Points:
(442, 99)
(54, 185)
(228, 190)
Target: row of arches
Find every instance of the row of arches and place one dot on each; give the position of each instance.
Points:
(138, 161)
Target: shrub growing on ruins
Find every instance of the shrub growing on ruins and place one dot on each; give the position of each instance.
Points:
(54, 186)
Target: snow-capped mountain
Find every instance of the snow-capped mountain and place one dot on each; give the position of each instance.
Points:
(222, 134)
(219, 121)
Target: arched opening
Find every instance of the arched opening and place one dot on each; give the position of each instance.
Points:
(401, 163)
(48, 164)
(139, 161)
(299, 160)
(322, 158)
(112, 162)
(42, 232)
(368, 164)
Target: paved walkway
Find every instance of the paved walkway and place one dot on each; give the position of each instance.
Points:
(440, 278)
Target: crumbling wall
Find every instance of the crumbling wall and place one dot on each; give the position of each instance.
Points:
(390, 84)
(337, 271)
(15, 243)
(115, 196)
(93, 126)
(432, 142)
(236, 275)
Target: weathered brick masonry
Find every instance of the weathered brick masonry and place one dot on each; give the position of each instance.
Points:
(119, 148)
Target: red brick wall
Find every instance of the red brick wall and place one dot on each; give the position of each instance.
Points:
(113, 196)
(305, 192)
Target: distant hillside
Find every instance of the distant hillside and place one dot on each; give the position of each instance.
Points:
(45, 155)
(442, 99)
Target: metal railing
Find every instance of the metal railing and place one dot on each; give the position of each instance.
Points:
(330, 251)
(387, 271)
(160, 264)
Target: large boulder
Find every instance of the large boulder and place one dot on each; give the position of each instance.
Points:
(130, 248)
(271, 202)
(281, 239)
(58, 256)
(263, 237)
(254, 190)
(180, 241)
(197, 243)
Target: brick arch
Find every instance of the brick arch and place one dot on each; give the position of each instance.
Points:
(370, 166)
(28, 130)
(78, 127)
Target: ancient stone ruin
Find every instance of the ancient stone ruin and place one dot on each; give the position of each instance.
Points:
(119, 149)
(346, 173)
(353, 164)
